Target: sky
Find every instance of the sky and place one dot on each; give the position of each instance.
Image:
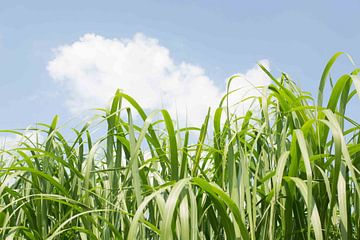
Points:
(64, 57)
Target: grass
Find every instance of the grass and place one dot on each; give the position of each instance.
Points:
(288, 170)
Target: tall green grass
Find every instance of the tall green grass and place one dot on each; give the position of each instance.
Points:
(287, 170)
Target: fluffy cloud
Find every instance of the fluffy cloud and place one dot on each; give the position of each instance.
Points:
(7, 142)
(92, 68)
(246, 86)
(12, 141)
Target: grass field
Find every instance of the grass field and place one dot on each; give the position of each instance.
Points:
(287, 170)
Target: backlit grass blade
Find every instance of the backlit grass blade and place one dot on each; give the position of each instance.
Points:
(173, 145)
(315, 219)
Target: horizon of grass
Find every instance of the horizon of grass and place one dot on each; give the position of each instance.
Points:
(287, 170)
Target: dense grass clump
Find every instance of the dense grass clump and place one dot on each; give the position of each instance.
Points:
(289, 170)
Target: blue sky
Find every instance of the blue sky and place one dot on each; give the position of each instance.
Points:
(219, 37)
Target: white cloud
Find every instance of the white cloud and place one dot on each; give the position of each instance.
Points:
(92, 68)
(7, 142)
(13, 141)
(28, 136)
(246, 86)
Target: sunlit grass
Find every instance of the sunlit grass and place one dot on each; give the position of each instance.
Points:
(288, 170)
